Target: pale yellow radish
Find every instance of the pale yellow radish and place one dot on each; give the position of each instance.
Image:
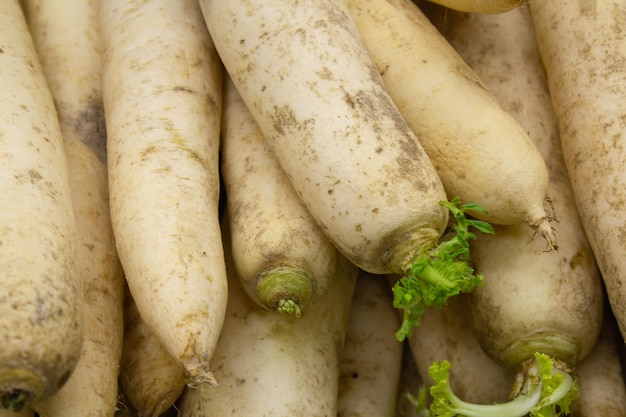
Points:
(68, 43)
(533, 301)
(601, 376)
(481, 152)
(306, 77)
(162, 98)
(272, 364)
(308, 81)
(150, 378)
(280, 254)
(41, 326)
(371, 359)
(583, 48)
(559, 293)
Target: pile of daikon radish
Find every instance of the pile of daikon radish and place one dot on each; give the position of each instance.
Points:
(312, 208)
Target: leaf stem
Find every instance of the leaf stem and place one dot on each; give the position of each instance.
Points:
(434, 274)
(541, 390)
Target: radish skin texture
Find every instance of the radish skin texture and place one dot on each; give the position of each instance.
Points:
(539, 313)
(480, 151)
(583, 48)
(480, 6)
(601, 376)
(307, 79)
(282, 257)
(68, 44)
(41, 324)
(371, 359)
(272, 364)
(150, 378)
(532, 300)
(162, 83)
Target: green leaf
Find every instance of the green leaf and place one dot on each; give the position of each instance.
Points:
(440, 272)
(558, 390)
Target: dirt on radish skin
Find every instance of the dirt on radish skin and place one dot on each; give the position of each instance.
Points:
(162, 99)
(481, 153)
(306, 77)
(583, 49)
(70, 51)
(282, 257)
(276, 364)
(41, 322)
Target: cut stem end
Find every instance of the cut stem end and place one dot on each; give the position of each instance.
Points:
(285, 289)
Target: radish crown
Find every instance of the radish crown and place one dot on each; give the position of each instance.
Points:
(440, 272)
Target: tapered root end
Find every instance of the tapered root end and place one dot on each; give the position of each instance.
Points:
(195, 362)
(20, 388)
(545, 230)
(286, 289)
(199, 375)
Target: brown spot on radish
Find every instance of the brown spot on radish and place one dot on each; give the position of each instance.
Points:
(34, 175)
(183, 89)
(283, 116)
(578, 259)
(90, 126)
(325, 74)
(145, 154)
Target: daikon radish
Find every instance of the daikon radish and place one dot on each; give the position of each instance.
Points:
(162, 83)
(281, 255)
(480, 151)
(371, 359)
(68, 44)
(539, 313)
(560, 293)
(583, 48)
(41, 322)
(304, 73)
(272, 364)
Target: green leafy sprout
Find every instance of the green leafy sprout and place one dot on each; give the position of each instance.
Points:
(544, 391)
(440, 272)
